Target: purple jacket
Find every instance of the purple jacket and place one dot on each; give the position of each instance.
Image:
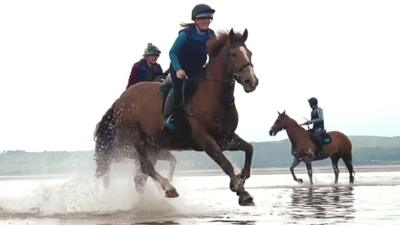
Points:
(142, 72)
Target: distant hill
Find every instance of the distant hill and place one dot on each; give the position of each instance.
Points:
(367, 150)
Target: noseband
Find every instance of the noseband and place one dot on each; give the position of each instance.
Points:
(236, 74)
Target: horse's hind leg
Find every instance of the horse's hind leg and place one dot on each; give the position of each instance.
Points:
(140, 178)
(167, 156)
(146, 164)
(147, 168)
(103, 162)
(335, 160)
(294, 164)
(347, 159)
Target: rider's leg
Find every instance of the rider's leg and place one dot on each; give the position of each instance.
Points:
(169, 109)
(171, 103)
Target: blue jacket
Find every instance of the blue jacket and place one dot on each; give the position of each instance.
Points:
(142, 72)
(189, 51)
(317, 118)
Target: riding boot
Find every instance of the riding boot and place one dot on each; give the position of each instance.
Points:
(169, 108)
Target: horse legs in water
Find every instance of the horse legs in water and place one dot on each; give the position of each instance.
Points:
(295, 162)
(309, 170)
(140, 178)
(348, 162)
(103, 168)
(144, 151)
(213, 150)
(237, 143)
(167, 156)
(335, 160)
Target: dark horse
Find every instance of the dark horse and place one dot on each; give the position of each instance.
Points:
(135, 120)
(303, 148)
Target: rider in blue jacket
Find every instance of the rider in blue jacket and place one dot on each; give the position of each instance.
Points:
(188, 57)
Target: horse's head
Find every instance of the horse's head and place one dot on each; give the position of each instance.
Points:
(280, 123)
(240, 57)
(237, 58)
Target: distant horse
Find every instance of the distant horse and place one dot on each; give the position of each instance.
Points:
(135, 120)
(303, 148)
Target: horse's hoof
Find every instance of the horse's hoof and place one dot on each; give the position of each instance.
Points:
(300, 180)
(245, 199)
(171, 193)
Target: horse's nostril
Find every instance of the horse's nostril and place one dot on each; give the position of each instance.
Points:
(247, 81)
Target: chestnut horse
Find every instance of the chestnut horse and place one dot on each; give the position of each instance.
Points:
(304, 149)
(135, 120)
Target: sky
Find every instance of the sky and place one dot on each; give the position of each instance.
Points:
(63, 63)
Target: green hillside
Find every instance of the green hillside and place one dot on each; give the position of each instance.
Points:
(367, 150)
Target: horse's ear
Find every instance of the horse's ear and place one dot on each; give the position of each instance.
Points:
(284, 111)
(279, 113)
(245, 34)
(231, 35)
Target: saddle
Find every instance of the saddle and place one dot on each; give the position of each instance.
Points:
(320, 138)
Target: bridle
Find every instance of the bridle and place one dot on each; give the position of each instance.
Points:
(236, 73)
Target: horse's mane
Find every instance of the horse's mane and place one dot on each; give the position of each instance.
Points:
(215, 44)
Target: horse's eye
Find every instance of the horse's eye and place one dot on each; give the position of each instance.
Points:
(233, 54)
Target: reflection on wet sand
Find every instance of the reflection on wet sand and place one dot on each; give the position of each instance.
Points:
(336, 202)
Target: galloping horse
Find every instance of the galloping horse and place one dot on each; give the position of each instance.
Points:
(303, 148)
(135, 120)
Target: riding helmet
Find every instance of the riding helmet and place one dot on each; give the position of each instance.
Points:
(313, 101)
(201, 11)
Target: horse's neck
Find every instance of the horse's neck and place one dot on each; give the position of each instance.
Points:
(220, 82)
(295, 133)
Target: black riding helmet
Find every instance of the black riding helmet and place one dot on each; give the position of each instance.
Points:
(313, 101)
(201, 11)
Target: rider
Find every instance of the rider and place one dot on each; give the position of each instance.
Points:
(317, 119)
(188, 57)
(146, 69)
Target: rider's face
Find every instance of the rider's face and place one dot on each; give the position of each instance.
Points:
(152, 59)
(203, 23)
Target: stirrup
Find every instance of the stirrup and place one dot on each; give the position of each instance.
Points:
(169, 124)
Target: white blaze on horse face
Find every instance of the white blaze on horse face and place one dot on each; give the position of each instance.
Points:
(244, 52)
(247, 59)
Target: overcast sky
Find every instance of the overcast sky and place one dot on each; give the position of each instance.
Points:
(63, 63)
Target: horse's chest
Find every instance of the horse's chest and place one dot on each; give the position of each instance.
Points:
(303, 154)
(221, 124)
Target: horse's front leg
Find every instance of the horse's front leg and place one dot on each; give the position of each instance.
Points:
(213, 150)
(237, 143)
(309, 171)
(295, 162)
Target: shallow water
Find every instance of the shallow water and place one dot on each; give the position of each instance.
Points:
(373, 199)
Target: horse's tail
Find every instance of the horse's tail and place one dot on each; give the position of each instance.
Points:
(104, 136)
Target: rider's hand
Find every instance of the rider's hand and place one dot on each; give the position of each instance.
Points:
(181, 74)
